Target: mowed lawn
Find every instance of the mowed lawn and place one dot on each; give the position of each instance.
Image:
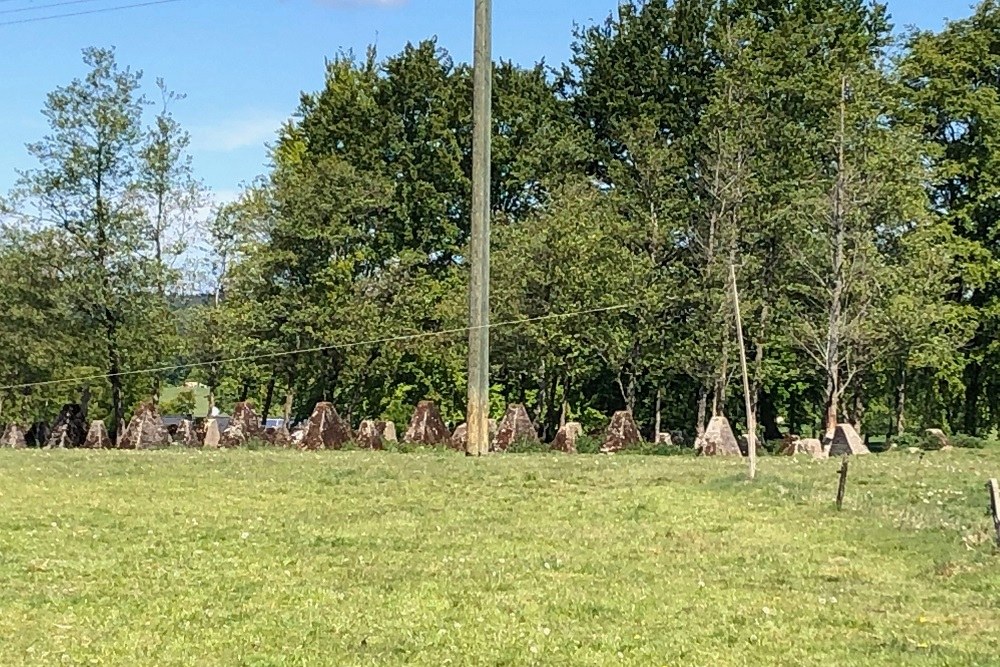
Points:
(289, 558)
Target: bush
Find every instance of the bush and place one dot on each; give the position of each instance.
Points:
(593, 421)
(258, 444)
(653, 449)
(524, 446)
(908, 440)
(773, 446)
(586, 444)
(182, 404)
(969, 441)
(400, 447)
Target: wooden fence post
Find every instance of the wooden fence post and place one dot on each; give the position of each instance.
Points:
(842, 487)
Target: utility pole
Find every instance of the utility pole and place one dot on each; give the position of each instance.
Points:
(477, 416)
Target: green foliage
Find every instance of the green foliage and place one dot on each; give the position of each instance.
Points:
(655, 449)
(587, 444)
(907, 440)
(847, 181)
(525, 446)
(83, 216)
(964, 441)
(184, 403)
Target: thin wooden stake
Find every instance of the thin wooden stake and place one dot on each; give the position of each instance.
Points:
(994, 491)
(751, 420)
(842, 487)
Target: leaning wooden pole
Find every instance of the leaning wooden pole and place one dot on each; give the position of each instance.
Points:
(751, 420)
(993, 488)
(477, 416)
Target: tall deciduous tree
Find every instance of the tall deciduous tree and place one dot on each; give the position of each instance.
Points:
(952, 79)
(89, 172)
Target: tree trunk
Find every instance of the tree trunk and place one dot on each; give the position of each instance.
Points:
(839, 228)
(245, 391)
(564, 412)
(268, 401)
(973, 389)
(659, 403)
(289, 397)
(699, 428)
(541, 408)
(831, 408)
(552, 419)
(211, 401)
(84, 402)
(719, 395)
(795, 416)
(769, 416)
(857, 416)
(114, 372)
(899, 407)
(758, 373)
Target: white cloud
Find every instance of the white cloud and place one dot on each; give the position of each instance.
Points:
(250, 130)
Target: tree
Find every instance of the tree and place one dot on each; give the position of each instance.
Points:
(952, 80)
(86, 187)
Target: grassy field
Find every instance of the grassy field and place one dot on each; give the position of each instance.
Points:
(287, 558)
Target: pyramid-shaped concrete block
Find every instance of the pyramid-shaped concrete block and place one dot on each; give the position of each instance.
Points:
(718, 439)
(97, 436)
(427, 427)
(847, 442)
(515, 427)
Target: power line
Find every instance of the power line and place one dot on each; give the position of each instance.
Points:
(321, 348)
(89, 11)
(35, 8)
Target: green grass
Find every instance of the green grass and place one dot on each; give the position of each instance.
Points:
(287, 558)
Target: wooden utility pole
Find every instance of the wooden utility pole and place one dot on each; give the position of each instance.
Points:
(477, 416)
(751, 420)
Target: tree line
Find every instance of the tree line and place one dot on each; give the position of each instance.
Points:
(847, 178)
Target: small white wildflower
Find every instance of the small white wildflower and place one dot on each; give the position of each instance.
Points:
(244, 535)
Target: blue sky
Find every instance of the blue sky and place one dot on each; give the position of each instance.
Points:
(243, 63)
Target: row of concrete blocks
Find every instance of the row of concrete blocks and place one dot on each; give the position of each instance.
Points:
(326, 429)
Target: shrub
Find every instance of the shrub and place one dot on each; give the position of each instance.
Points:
(969, 441)
(586, 444)
(908, 440)
(257, 444)
(524, 446)
(593, 421)
(400, 447)
(653, 449)
(182, 404)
